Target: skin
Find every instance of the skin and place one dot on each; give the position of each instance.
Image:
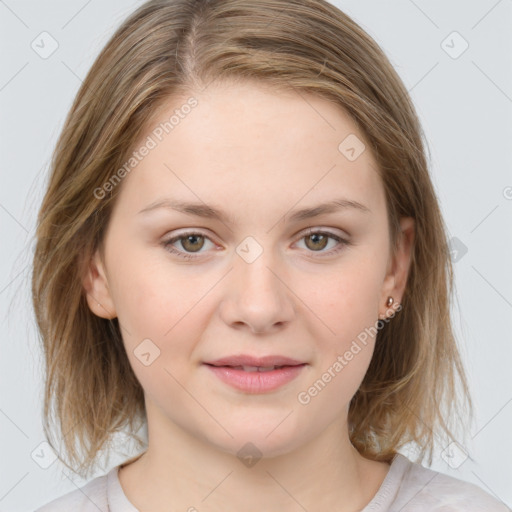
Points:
(258, 155)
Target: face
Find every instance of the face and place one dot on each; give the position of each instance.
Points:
(210, 298)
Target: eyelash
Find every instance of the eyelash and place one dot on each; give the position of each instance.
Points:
(342, 243)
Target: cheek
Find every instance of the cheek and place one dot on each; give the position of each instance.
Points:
(346, 300)
(148, 300)
(165, 305)
(142, 300)
(159, 331)
(348, 305)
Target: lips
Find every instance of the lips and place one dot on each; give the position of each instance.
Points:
(255, 362)
(256, 374)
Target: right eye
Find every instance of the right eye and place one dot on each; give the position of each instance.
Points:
(190, 241)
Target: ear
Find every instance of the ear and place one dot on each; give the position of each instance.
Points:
(398, 268)
(95, 284)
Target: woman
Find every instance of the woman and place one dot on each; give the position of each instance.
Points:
(241, 246)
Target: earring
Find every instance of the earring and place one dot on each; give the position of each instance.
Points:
(389, 301)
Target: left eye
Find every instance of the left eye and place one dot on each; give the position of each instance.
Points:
(316, 241)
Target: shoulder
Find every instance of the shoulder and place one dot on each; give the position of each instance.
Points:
(424, 489)
(92, 497)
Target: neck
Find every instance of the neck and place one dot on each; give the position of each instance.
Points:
(184, 472)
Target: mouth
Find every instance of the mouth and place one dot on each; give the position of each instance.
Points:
(256, 375)
(253, 368)
(249, 361)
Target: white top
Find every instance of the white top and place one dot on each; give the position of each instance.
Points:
(408, 487)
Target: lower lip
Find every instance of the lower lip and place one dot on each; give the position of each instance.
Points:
(256, 382)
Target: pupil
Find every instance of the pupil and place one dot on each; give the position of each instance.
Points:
(318, 238)
(191, 241)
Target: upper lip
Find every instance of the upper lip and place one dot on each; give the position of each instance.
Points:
(248, 360)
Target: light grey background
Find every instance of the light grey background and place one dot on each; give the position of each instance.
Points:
(465, 105)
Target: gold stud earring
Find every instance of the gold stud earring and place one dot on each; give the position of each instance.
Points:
(389, 301)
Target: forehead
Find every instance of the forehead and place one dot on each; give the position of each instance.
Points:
(249, 140)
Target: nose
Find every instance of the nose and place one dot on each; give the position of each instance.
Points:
(258, 298)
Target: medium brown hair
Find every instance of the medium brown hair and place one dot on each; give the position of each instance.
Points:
(174, 47)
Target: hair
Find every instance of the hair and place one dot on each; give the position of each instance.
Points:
(168, 48)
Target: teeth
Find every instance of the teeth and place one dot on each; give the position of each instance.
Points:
(256, 368)
(250, 368)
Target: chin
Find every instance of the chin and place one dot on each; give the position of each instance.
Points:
(260, 437)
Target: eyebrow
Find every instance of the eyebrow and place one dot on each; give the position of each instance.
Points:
(206, 211)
